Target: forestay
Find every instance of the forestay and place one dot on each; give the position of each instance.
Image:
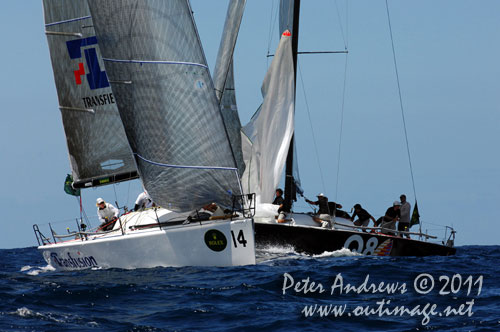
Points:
(166, 99)
(266, 138)
(98, 149)
(224, 78)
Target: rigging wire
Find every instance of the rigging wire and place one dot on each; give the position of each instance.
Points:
(272, 24)
(401, 102)
(341, 128)
(128, 193)
(310, 124)
(83, 214)
(344, 36)
(116, 196)
(346, 43)
(347, 23)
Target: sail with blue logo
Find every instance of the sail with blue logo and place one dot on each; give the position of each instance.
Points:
(99, 153)
(166, 99)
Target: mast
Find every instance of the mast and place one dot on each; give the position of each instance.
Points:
(290, 192)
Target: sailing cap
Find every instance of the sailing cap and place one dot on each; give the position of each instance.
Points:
(396, 203)
(100, 200)
(320, 195)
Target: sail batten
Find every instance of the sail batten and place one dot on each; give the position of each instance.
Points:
(77, 109)
(92, 125)
(68, 20)
(186, 166)
(62, 33)
(167, 62)
(170, 111)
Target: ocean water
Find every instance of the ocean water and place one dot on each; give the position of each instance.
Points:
(285, 291)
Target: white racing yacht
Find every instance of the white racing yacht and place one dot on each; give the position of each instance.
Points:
(135, 96)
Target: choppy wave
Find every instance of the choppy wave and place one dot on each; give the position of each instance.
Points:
(33, 297)
(27, 313)
(34, 271)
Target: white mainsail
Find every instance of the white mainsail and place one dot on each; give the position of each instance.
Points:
(167, 103)
(266, 138)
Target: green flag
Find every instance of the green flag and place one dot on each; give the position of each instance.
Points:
(68, 187)
(415, 216)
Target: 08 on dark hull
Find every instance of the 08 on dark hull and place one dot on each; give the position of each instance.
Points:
(315, 240)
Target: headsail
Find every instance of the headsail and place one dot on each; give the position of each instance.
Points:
(224, 78)
(98, 149)
(166, 99)
(266, 138)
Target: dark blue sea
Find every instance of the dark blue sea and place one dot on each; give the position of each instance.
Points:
(285, 291)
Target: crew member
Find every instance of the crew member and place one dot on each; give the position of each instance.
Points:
(106, 213)
(143, 201)
(363, 216)
(323, 216)
(404, 220)
(392, 216)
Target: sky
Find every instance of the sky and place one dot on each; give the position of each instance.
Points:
(447, 53)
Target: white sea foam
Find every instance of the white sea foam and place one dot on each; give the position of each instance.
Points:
(26, 268)
(28, 313)
(34, 271)
(344, 252)
(272, 253)
(23, 312)
(281, 250)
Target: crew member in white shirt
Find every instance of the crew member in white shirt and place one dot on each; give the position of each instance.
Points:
(106, 212)
(404, 220)
(143, 201)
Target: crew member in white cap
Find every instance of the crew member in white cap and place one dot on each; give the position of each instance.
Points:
(392, 215)
(323, 216)
(106, 213)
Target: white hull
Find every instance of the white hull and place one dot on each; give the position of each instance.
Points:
(195, 244)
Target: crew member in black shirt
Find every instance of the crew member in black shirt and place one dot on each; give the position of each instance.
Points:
(279, 197)
(391, 217)
(363, 216)
(323, 216)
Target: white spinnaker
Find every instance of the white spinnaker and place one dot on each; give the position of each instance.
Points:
(266, 138)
